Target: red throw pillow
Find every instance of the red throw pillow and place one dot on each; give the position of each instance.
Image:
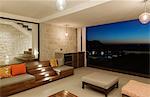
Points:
(18, 69)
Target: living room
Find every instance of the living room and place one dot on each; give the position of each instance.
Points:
(74, 48)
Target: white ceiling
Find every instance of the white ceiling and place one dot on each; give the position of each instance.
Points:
(34, 8)
(108, 12)
(113, 11)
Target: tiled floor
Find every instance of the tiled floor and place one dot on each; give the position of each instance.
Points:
(73, 84)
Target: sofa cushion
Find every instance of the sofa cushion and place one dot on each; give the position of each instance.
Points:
(62, 68)
(100, 79)
(16, 79)
(5, 72)
(136, 89)
(18, 69)
(60, 61)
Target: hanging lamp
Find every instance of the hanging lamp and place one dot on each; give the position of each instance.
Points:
(144, 18)
(60, 4)
(66, 33)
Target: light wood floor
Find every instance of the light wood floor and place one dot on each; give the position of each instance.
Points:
(73, 84)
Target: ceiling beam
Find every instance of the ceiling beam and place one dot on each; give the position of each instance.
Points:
(80, 7)
(13, 16)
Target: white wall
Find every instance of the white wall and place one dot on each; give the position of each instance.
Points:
(12, 25)
(79, 31)
(52, 39)
(13, 42)
(84, 43)
(35, 39)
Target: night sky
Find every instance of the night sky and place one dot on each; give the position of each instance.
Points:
(122, 32)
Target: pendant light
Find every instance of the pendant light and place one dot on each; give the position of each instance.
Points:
(60, 4)
(66, 33)
(144, 18)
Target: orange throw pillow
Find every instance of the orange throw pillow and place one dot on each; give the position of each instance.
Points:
(18, 69)
(53, 62)
(5, 72)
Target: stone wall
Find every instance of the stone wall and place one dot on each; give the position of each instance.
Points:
(13, 42)
(53, 39)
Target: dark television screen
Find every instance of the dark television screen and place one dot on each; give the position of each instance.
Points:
(123, 45)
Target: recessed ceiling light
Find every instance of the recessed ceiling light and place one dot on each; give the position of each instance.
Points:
(61, 4)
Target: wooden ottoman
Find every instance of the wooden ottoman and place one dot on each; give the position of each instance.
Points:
(103, 82)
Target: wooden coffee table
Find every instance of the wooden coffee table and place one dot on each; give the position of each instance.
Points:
(63, 93)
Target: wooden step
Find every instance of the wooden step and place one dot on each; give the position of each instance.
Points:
(29, 29)
(47, 79)
(24, 59)
(39, 70)
(33, 65)
(27, 55)
(28, 52)
(42, 75)
(30, 49)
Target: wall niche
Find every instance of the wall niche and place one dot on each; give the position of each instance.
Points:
(18, 41)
